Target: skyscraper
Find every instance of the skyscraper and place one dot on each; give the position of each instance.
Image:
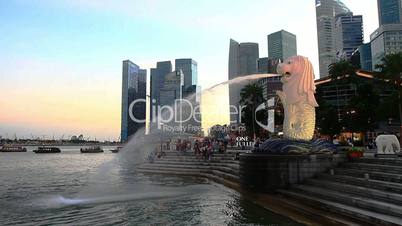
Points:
(189, 68)
(157, 77)
(263, 65)
(164, 67)
(157, 81)
(365, 57)
(171, 90)
(326, 11)
(281, 45)
(243, 60)
(133, 88)
(385, 40)
(389, 11)
(191, 92)
(348, 34)
(168, 86)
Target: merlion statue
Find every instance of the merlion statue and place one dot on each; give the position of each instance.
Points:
(297, 97)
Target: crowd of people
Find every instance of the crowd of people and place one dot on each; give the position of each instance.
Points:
(205, 147)
(202, 148)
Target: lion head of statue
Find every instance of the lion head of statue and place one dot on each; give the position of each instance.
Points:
(298, 80)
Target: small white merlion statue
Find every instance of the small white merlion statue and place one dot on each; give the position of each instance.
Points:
(297, 97)
(387, 144)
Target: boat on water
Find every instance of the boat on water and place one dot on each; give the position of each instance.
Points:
(116, 150)
(44, 150)
(13, 148)
(95, 149)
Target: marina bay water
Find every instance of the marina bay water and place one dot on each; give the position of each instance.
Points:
(64, 189)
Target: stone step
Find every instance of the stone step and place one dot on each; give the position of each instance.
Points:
(197, 163)
(148, 168)
(175, 153)
(373, 167)
(226, 175)
(391, 177)
(190, 171)
(193, 157)
(197, 160)
(351, 200)
(209, 176)
(362, 182)
(381, 161)
(388, 197)
(170, 172)
(188, 167)
(368, 217)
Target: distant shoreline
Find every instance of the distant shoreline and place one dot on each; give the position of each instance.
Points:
(64, 144)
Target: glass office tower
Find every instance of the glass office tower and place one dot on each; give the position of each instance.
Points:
(243, 60)
(349, 34)
(133, 88)
(326, 11)
(281, 45)
(389, 11)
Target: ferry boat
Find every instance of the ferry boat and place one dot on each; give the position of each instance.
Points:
(44, 150)
(13, 149)
(116, 150)
(95, 149)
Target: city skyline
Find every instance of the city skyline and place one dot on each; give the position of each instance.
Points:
(82, 44)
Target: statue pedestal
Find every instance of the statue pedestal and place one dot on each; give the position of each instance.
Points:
(265, 173)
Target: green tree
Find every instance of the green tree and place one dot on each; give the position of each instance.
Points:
(391, 69)
(327, 118)
(361, 115)
(343, 73)
(386, 109)
(341, 69)
(251, 97)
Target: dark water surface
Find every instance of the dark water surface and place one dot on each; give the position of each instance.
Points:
(71, 188)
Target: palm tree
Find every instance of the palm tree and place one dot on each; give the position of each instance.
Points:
(251, 96)
(391, 70)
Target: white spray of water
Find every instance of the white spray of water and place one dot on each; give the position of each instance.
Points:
(151, 193)
(116, 198)
(242, 79)
(134, 153)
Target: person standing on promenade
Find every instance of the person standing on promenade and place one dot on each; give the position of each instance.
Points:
(215, 146)
(196, 148)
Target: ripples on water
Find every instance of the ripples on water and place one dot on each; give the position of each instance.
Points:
(63, 189)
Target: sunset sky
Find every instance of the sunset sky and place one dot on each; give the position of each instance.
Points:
(60, 61)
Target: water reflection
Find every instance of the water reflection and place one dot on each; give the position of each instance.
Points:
(122, 196)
